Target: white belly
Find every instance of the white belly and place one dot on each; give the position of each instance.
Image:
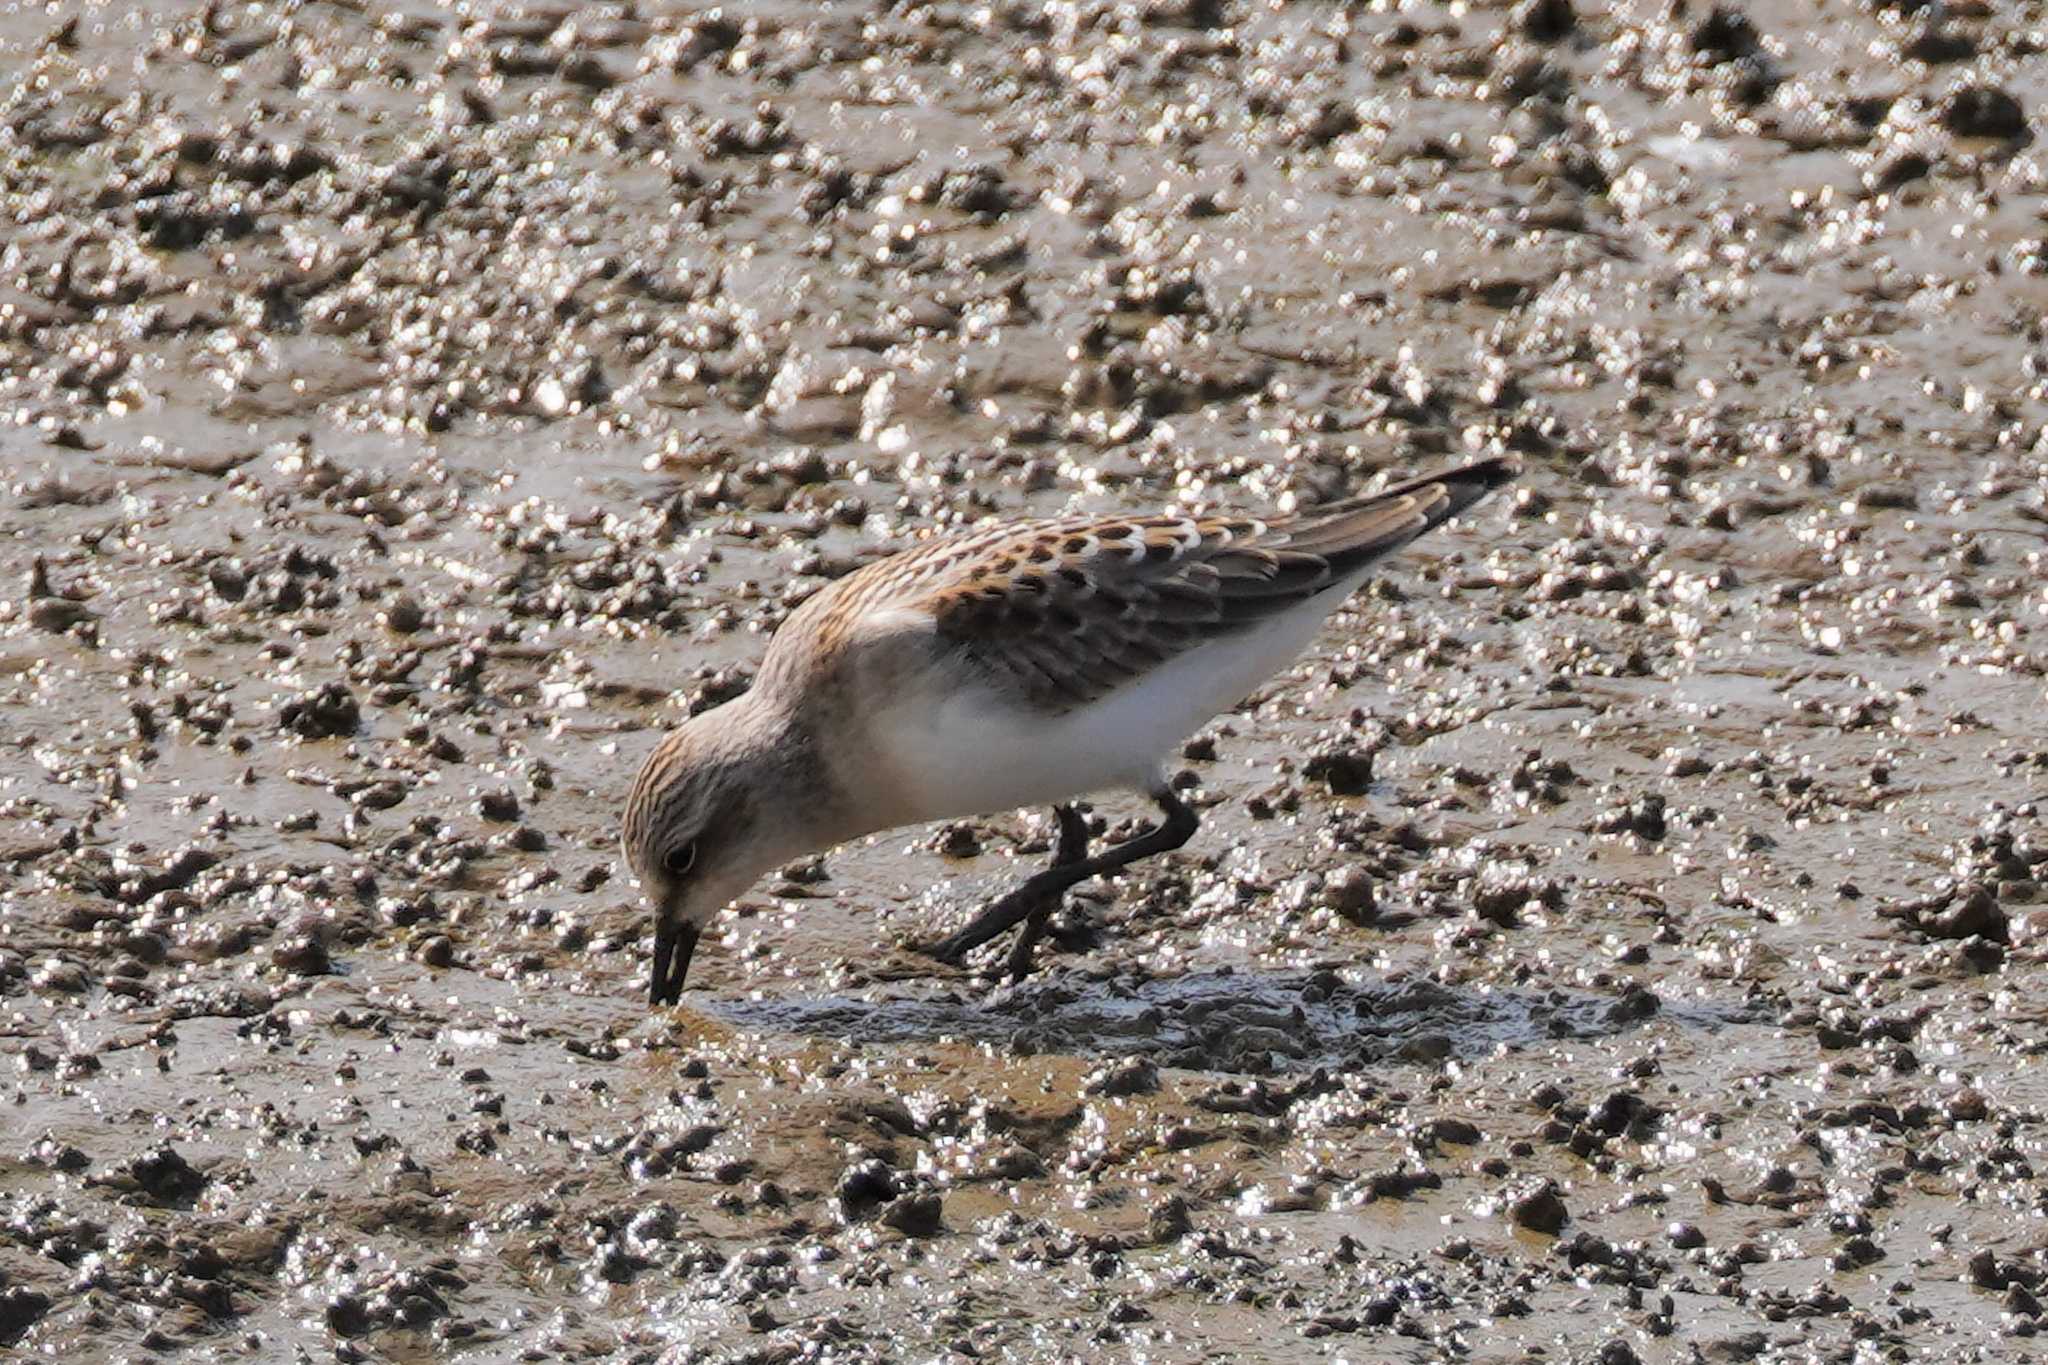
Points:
(973, 753)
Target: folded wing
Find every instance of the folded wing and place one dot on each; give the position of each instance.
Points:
(1063, 612)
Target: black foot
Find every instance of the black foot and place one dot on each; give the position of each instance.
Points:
(1033, 903)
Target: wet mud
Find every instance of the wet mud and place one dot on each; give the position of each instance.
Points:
(1622, 938)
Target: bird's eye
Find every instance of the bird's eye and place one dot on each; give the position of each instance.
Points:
(680, 859)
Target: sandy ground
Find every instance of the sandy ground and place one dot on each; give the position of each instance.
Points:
(417, 406)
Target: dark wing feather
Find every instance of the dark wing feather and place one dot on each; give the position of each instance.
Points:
(1064, 612)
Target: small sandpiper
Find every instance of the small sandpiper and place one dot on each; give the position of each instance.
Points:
(1026, 663)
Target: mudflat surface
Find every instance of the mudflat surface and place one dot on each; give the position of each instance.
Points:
(416, 407)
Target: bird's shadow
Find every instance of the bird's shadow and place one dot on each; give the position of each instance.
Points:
(1250, 1022)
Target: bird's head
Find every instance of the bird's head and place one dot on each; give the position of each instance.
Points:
(716, 805)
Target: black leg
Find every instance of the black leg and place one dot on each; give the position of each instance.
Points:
(1045, 889)
(1073, 848)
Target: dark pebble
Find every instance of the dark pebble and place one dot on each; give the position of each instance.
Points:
(324, 712)
(957, 840)
(1169, 1220)
(1345, 771)
(1546, 21)
(302, 956)
(1350, 891)
(1134, 1077)
(1539, 1210)
(913, 1215)
(500, 806)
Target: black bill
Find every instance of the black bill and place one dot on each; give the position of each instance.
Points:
(673, 945)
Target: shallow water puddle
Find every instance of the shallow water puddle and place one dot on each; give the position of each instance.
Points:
(1231, 1021)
